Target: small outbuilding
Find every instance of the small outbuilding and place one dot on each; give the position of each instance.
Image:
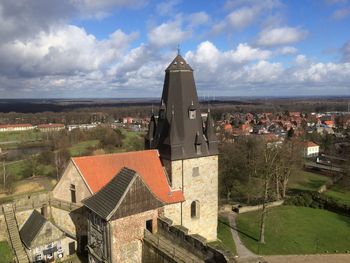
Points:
(44, 241)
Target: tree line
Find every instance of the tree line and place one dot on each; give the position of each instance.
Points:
(254, 171)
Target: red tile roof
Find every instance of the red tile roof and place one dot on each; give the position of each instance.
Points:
(329, 122)
(310, 144)
(15, 125)
(50, 125)
(98, 170)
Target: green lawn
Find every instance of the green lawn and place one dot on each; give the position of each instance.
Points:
(296, 230)
(340, 191)
(224, 234)
(18, 169)
(225, 240)
(6, 255)
(82, 147)
(132, 140)
(23, 136)
(307, 181)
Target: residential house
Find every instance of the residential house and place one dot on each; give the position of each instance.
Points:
(16, 127)
(51, 127)
(310, 149)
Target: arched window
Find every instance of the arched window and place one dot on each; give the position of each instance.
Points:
(195, 209)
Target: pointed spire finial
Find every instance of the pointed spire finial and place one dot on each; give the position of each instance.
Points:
(178, 49)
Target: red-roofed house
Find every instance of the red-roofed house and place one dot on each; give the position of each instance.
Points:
(51, 127)
(16, 127)
(310, 149)
(329, 123)
(87, 175)
(127, 191)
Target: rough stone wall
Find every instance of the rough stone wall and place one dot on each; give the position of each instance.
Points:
(3, 228)
(151, 254)
(202, 188)
(71, 176)
(127, 234)
(72, 222)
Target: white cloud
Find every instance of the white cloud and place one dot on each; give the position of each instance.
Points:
(341, 13)
(167, 7)
(287, 50)
(301, 60)
(245, 12)
(267, 4)
(281, 36)
(198, 18)
(346, 52)
(102, 8)
(263, 71)
(242, 17)
(167, 34)
(245, 53)
(66, 50)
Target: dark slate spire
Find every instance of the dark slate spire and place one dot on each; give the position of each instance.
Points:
(179, 131)
(173, 142)
(212, 140)
(149, 138)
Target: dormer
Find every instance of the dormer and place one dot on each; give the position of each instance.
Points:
(192, 112)
(198, 143)
(162, 111)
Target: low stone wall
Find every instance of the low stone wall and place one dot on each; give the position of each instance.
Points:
(246, 209)
(29, 201)
(68, 217)
(194, 243)
(150, 254)
(3, 228)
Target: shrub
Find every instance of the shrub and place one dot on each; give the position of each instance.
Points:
(317, 200)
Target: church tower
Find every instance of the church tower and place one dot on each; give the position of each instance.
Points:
(188, 149)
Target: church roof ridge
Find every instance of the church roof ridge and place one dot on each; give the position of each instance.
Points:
(179, 63)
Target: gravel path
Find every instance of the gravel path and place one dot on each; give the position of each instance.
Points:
(242, 251)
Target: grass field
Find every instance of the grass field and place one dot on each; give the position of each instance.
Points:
(83, 147)
(132, 140)
(307, 181)
(18, 169)
(340, 191)
(6, 255)
(225, 240)
(296, 230)
(22, 136)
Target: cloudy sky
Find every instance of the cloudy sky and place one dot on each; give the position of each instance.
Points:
(120, 48)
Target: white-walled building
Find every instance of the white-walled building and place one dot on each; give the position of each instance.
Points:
(311, 149)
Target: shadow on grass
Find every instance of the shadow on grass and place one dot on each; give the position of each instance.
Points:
(239, 231)
(315, 184)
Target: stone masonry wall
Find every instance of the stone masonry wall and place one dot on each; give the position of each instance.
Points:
(202, 188)
(73, 222)
(127, 234)
(71, 176)
(3, 228)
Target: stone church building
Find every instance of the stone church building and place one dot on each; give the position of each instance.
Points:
(175, 178)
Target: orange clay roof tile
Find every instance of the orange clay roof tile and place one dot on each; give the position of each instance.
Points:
(99, 170)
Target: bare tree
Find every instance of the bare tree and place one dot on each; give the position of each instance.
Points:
(270, 154)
